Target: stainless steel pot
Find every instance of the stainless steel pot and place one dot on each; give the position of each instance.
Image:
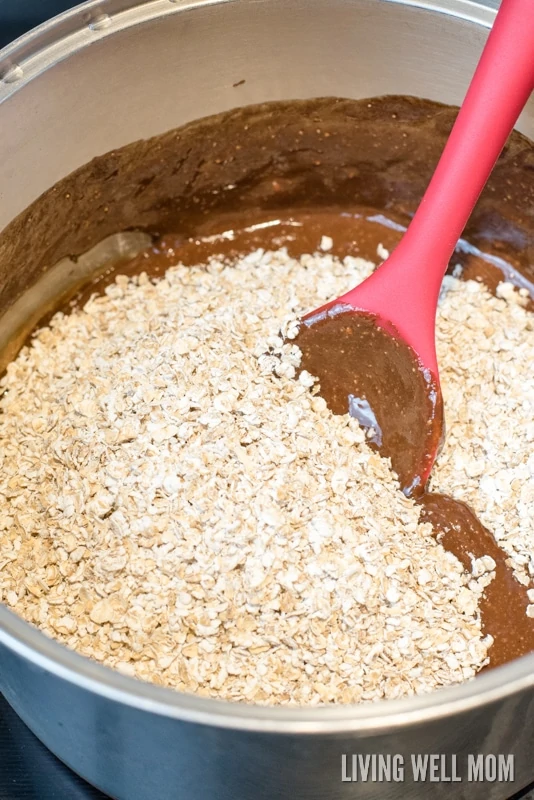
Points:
(113, 71)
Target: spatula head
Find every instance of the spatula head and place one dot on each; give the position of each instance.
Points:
(365, 369)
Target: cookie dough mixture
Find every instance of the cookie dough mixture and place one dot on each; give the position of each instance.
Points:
(179, 503)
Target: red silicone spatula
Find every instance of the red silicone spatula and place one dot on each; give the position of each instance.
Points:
(404, 291)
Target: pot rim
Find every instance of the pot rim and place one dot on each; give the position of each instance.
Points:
(56, 39)
(20, 62)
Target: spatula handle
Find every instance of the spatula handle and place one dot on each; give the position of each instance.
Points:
(405, 289)
(501, 86)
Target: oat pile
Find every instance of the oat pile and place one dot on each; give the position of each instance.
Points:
(486, 357)
(172, 508)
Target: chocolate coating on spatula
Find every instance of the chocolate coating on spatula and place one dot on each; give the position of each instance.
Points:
(372, 374)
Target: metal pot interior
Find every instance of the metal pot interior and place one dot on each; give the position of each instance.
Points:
(120, 121)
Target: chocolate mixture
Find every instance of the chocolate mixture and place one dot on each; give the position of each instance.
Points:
(297, 174)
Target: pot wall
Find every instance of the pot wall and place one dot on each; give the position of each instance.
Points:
(160, 64)
(133, 754)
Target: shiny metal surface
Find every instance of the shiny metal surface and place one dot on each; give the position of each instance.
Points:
(103, 67)
(99, 77)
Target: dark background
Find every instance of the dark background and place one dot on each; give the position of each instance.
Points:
(18, 16)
